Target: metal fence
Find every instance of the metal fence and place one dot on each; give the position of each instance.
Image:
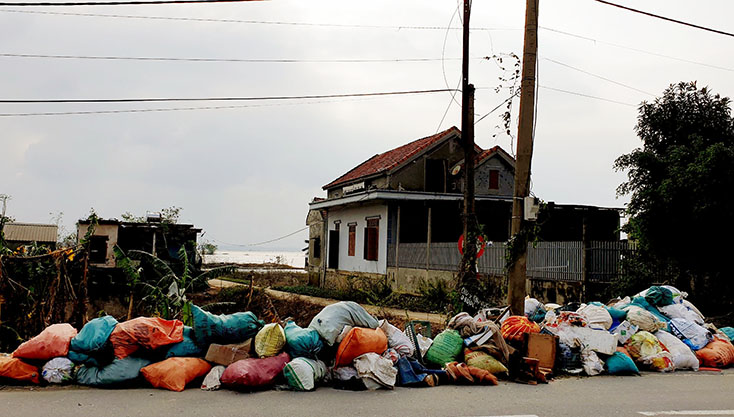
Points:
(550, 261)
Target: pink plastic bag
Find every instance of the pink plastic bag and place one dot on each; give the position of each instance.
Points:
(254, 373)
(50, 343)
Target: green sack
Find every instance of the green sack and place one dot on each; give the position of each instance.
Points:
(659, 296)
(728, 331)
(302, 342)
(224, 329)
(94, 335)
(120, 371)
(617, 314)
(619, 363)
(187, 348)
(644, 304)
(446, 347)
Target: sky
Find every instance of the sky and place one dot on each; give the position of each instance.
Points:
(246, 175)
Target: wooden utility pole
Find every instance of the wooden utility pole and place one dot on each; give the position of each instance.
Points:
(517, 276)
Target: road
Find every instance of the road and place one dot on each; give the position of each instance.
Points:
(680, 393)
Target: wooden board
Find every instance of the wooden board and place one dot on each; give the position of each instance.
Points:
(541, 347)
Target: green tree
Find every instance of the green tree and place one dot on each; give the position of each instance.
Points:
(680, 182)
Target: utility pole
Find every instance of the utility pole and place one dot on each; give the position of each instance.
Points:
(517, 272)
(467, 269)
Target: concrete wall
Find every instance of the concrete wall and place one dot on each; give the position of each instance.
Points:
(358, 215)
(408, 280)
(506, 177)
(109, 230)
(412, 176)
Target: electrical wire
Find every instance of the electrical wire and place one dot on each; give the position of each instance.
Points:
(443, 70)
(598, 76)
(498, 106)
(657, 16)
(587, 96)
(121, 3)
(261, 243)
(267, 98)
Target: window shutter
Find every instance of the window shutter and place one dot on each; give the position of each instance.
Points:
(366, 243)
(494, 179)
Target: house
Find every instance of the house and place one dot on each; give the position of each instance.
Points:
(153, 236)
(20, 234)
(398, 214)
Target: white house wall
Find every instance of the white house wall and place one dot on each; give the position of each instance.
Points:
(358, 215)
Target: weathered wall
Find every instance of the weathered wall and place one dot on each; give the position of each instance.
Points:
(408, 280)
(358, 215)
(506, 177)
(109, 230)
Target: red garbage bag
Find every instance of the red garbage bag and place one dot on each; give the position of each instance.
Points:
(52, 342)
(717, 354)
(515, 326)
(359, 341)
(18, 370)
(175, 373)
(145, 332)
(252, 373)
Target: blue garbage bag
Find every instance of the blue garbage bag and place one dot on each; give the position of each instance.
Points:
(619, 363)
(302, 342)
(225, 328)
(187, 348)
(94, 335)
(82, 358)
(119, 372)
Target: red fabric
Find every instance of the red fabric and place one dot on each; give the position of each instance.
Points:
(358, 342)
(253, 372)
(717, 354)
(52, 342)
(18, 370)
(515, 326)
(175, 373)
(145, 332)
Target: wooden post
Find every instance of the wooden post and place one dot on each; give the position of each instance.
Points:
(517, 272)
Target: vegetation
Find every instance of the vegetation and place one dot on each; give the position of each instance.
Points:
(207, 248)
(681, 209)
(169, 215)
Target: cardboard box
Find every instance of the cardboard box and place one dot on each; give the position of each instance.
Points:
(228, 354)
(541, 347)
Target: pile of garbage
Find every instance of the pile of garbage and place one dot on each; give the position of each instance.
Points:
(347, 348)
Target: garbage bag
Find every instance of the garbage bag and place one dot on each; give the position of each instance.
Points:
(462, 373)
(620, 364)
(52, 342)
(358, 342)
(717, 354)
(253, 373)
(728, 331)
(16, 369)
(302, 342)
(346, 378)
(270, 340)
(446, 347)
(94, 335)
(645, 348)
(213, 380)
(558, 318)
(375, 367)
(643, 319)
(397, 339)
(645, 305)
(224, 329)
(591, 362)
(58, 371)
(683, 356)
(188, 348)
(174, 374)
(412, 372)
(681, 311)
(616, 314)
(302, 374)
(331, 320)
(82, 358)
(144, 332)
(659, 296)
(478, 358)
(515, 326)
(693, 335)
(690, 306)
(120, 371)
(597, 316)
(392, 355)
(532, 306)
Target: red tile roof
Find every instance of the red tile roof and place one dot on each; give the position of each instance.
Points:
(489, 152)
(391, 159)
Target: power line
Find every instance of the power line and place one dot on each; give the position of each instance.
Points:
(720, 32)
(122, 3)
(256, 22)
(498, 106)
(266, 98)
(247, 60)
(587, 96)
(264, 242)
(597, 76)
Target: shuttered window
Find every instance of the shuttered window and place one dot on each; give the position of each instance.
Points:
(371, 239)
(352, 238)
(494, 179)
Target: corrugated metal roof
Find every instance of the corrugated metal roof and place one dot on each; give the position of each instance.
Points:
(30, 232)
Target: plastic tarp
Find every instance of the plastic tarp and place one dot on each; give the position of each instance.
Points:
(119, 372)
(302, 374)
(514, 327)
(188, 348)
(717, 354)
(597, 316)
(683, 356)
(621, 364)
(447, 347)
(16, 369)
(58, 371)
(52, 342)
(358, 342)
(302, 342)
(397, 339)
(376, 368)
(225, 328)
(213, 380)
(270, 340)
(94, 335)
(693, 335)
(254, 373)
(645, 348)
(331, 320)
(175, 373)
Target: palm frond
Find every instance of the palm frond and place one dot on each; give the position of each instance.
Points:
(160, 267)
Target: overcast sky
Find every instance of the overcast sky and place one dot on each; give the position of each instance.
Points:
(246, 175)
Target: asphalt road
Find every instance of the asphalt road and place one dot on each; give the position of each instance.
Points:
(680, 393)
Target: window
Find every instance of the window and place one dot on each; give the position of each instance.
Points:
(98, 249)
(494, 179)
(352, 238)
(371, 236)
(316, 247)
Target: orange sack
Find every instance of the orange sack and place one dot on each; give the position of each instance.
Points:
(514, 327)
(358, 342)
(717, 354)
(52, 342)
(145, 332)
(18, 370)
(175, 373)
